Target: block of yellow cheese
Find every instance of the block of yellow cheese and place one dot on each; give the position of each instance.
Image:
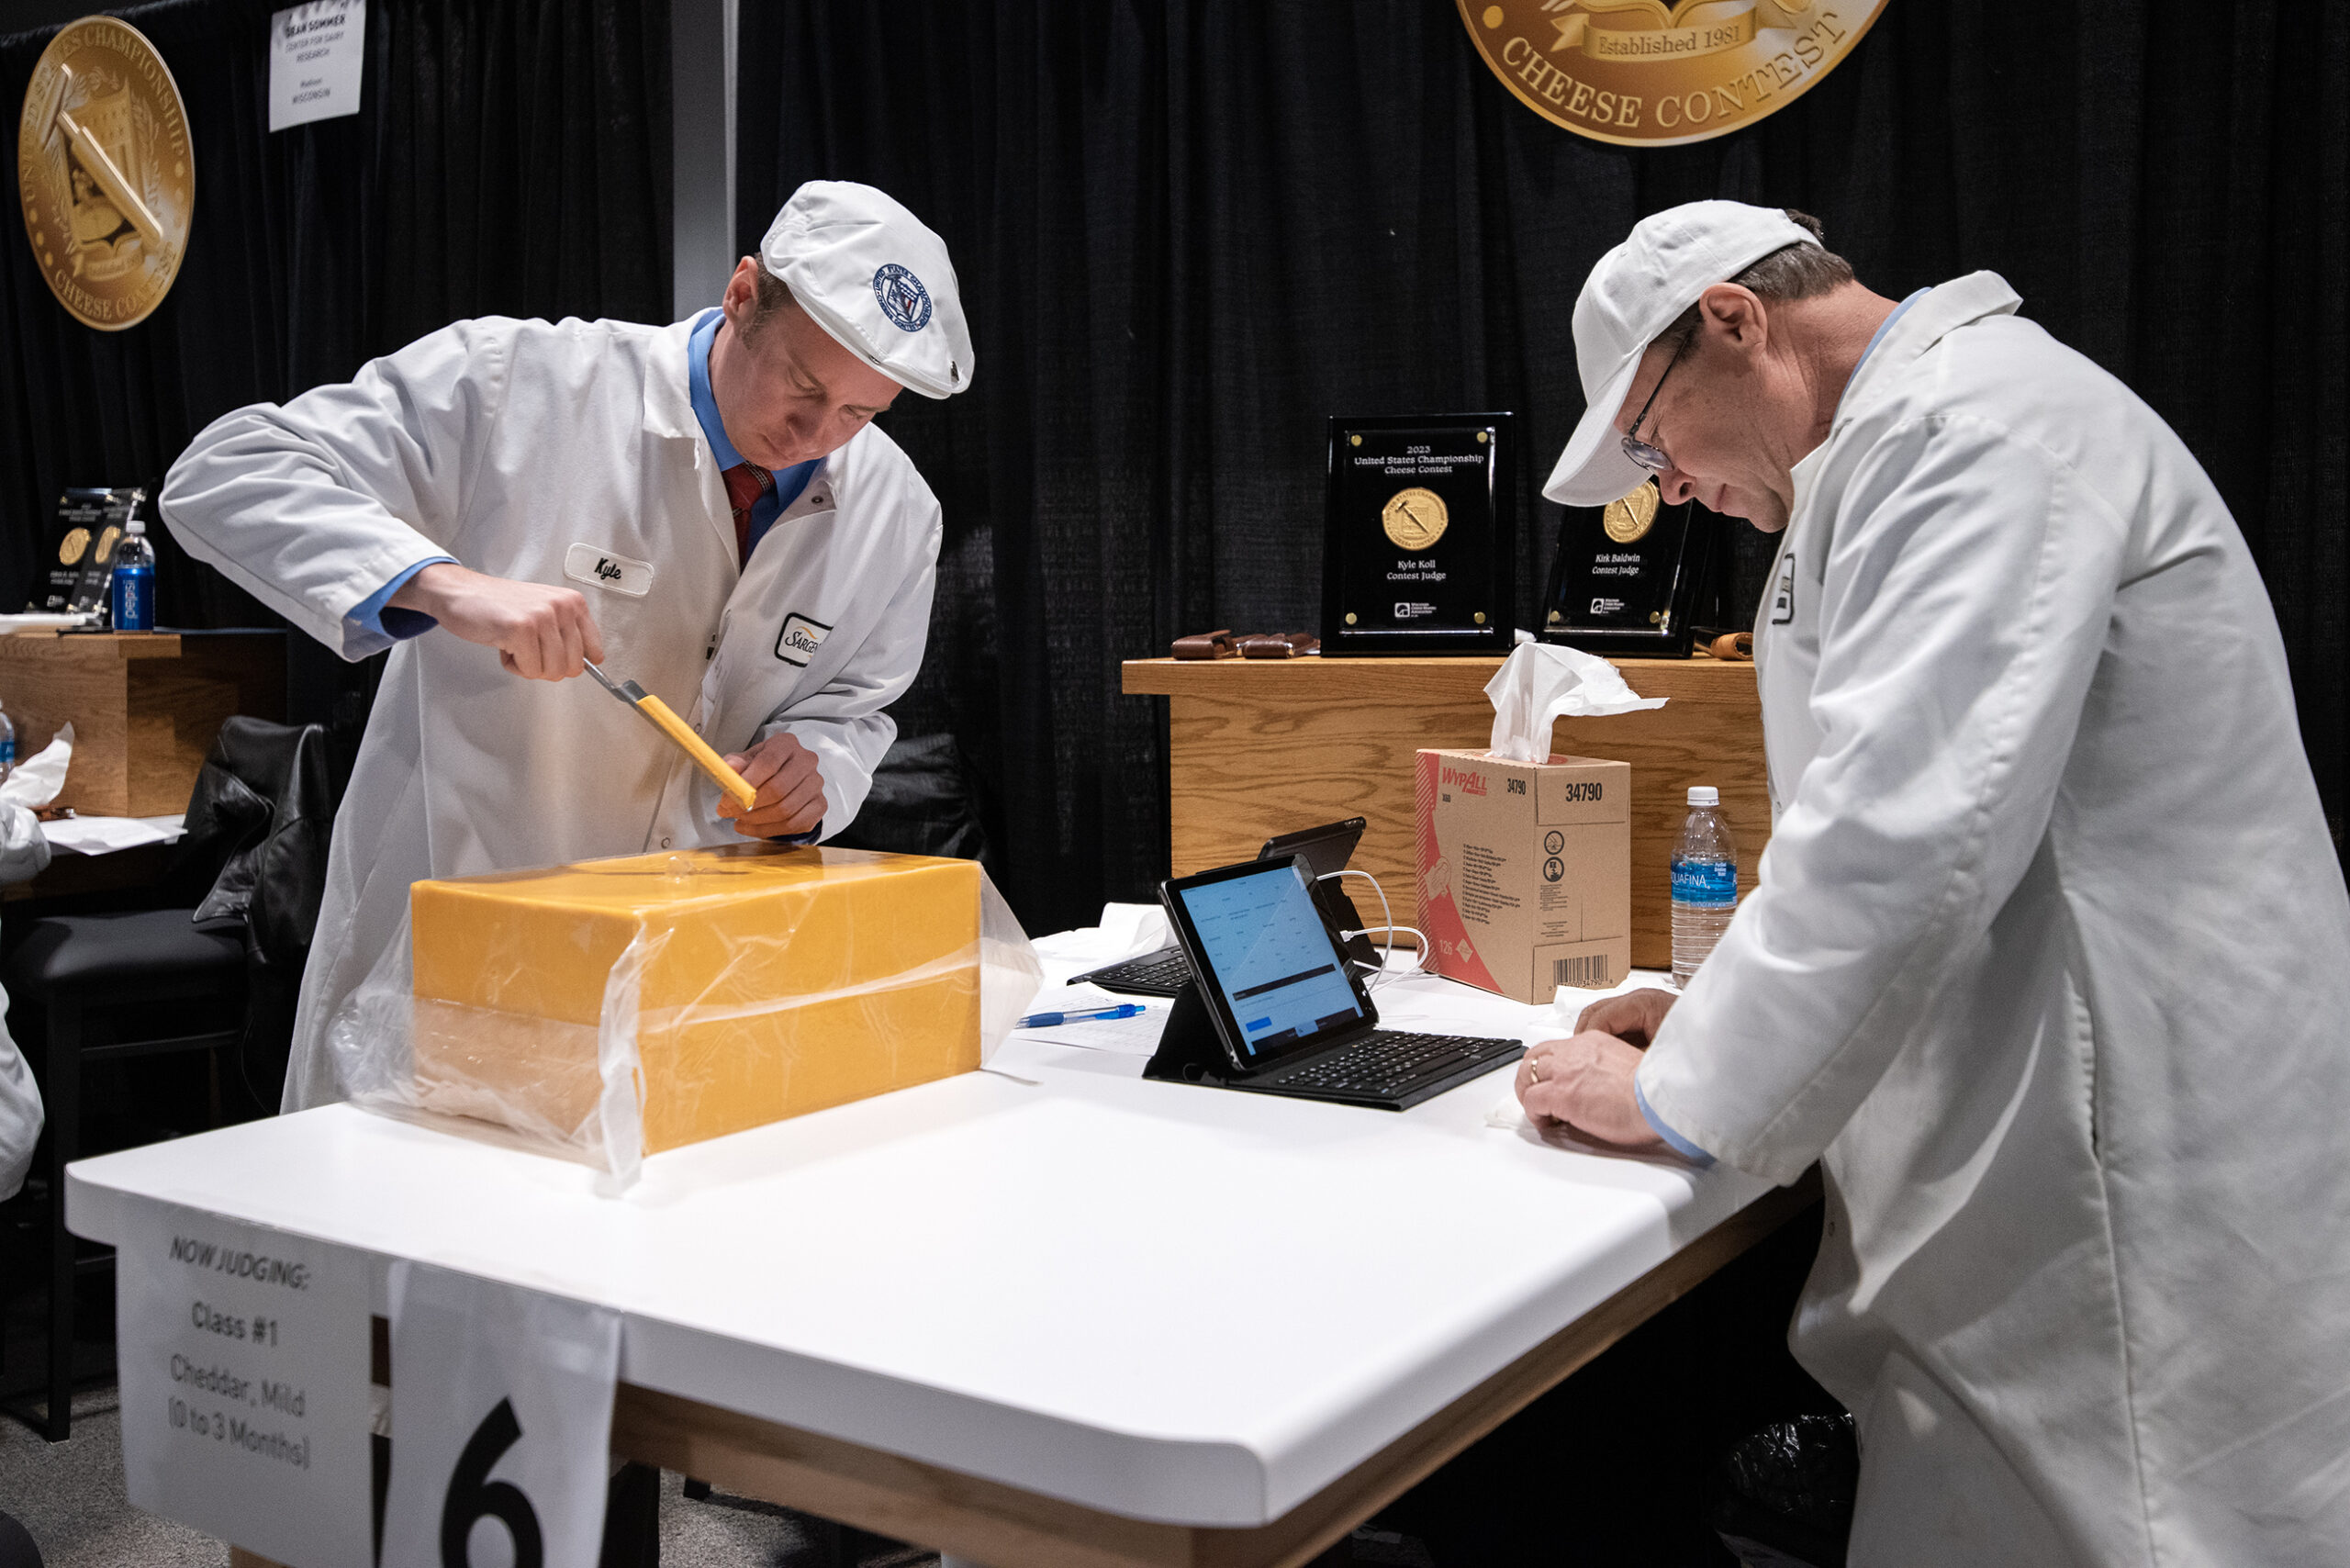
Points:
(756, 983)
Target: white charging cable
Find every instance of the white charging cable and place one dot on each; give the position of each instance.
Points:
(1388, 930)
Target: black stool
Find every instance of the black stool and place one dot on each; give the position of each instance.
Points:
(81, 969)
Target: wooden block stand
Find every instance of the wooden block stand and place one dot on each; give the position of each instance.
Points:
(1261, 746)
(144, 706)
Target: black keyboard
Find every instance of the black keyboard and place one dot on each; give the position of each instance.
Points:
(1388, 1065)
(1162, 973)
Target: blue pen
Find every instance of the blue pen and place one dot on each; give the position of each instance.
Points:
(1046, 1020)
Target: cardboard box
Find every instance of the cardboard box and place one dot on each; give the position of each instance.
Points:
(766, 984)
(1526, 871)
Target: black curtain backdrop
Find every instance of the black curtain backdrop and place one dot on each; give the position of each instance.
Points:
(509, 157)
(1186, 232)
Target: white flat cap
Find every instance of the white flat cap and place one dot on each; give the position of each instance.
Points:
(874, 277)
(1631, 296)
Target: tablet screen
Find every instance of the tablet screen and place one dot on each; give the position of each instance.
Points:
(1269, 958)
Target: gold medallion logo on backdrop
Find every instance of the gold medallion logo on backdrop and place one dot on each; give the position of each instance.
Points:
(106, 172)
(1645, 73)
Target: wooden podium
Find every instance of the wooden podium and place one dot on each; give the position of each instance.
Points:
(1261, 746)
(144, 706)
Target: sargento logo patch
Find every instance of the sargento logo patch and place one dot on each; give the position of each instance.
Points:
(1468, 783)
(800, 639)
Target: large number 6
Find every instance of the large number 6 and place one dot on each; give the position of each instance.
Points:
(471, 1497)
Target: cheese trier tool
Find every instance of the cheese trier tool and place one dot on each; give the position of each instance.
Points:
(664, 718)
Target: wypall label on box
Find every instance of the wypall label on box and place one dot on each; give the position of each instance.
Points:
(1526, 871)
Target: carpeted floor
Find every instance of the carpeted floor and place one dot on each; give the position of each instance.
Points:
(69, 1496)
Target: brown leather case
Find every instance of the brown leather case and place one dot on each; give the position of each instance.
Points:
(1732, 646)
(1216, 644)
(1280, 646)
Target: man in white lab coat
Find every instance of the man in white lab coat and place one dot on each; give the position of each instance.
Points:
(705, 507)
(2049, 965)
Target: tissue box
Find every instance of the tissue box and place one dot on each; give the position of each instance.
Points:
(1526, 871)
(764, 984)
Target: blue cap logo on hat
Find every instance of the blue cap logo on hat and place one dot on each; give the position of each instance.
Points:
(903, 299)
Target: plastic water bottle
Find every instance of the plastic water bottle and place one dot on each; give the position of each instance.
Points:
(1705, 882)
(132, 591)
(7, 749)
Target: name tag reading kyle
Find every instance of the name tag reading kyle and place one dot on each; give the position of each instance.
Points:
(601, 568)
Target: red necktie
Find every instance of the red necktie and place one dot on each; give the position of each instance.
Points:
(746, 483)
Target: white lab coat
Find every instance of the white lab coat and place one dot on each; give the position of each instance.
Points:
(2050, 966)
(567, 455)
(24, 853)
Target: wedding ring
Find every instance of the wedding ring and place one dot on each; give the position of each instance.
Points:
(1533, 1071)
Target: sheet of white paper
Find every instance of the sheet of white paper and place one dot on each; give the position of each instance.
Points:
(501, 1422)
(101, 835)
(317, 53)
(243, 1364)
(1136, 1037)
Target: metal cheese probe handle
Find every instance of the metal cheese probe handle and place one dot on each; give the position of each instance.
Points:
(664, 718)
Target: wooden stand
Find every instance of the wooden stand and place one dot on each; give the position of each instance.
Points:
(144, 706)
(1261, 746)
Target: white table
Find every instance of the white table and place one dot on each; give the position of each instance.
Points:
(1046, 1314)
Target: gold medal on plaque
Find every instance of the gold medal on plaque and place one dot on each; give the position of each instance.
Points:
(1414, 519)
(1648, 74)
(1628, 520)
(106, 172)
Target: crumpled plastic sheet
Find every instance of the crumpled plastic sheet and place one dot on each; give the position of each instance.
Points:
(601, 1120)
(1783, 1496)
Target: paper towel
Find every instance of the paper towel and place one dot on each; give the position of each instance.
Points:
(1541, 683)
(35, 781)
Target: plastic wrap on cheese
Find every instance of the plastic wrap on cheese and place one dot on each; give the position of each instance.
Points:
(612, 1009)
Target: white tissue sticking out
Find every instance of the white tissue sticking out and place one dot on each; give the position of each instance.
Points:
(35, 782)
(1540, 684)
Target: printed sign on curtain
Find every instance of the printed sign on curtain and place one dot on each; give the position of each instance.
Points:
(316, 55)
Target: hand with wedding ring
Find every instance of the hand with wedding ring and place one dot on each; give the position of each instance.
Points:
(1586, 1082)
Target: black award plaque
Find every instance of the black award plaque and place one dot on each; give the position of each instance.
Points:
(1635, 578)
(1419, 555)
(89, 523)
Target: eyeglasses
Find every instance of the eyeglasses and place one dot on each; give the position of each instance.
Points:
(1653, 458)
